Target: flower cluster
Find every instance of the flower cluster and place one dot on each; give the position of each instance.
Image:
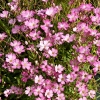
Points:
(36, 50)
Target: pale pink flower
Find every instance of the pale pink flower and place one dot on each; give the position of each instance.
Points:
(16, 64)
(91, 58)
(72, 17)
(96, 10)
(32, 23)
(38, 91)
(10, 58)
(75, 68)
(4, 14)
(66, 38)
(58, 88)
(59, 68)
(81, 58)
(45, 1)
(15, 43)
(20, 18)
(34, 35)
(49, 93)
(61, 79)
(7, 92)
(63, 25)
(27, 14)
(16, 29)
(13, 5)
(19, 49)
(50, 11)
(39, 79)
(26, 64)
(83, 92)
(60, 96)
(12, 21)
(96, 42)
(71, 77)
(92, 93)
(44, 45)
(86, 7)
(28, 91)
(83, 98)
(84, 50)
(2, 36)
(53, 52)
(47, 23)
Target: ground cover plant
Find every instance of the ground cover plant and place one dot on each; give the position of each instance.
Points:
(49, 49)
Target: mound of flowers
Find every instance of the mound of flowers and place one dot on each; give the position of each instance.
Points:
(44, 59)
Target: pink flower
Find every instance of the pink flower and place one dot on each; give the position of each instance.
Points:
(53, 52)
(82, 26)
(61, 96)
(66, 38)
(7, 92)
(86, 7)
(32, 23)
(84, 50)
(83, 98)
(24, 28)
(95, 19)
(59, 68)
(16, 64)
(96, 10)
(10, 58)
(91, 58)
(83, 92)
(83, 74)
(2, 36)
(63, 25)
(27, 14)
(71, 38)
(4, 14)
(25, 64)
(46, 26)
(20, 18)
(34, 35)
(15, 43)
(49, 93)
(13, 5)
(47, 23)
(92, 93)
(50, 11)
(29, 91)
(61, 79)
(93, 32)
(58, 88)
(72, 17)
(45, 1)
(71, 77)
(44, 45)
(12, 21)
(81, 58)
(19, 49)
(39, 79)
(75, 68)
(96, 42)
(58, 38)
(16, 29)
(38, 91)
(80, 85)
